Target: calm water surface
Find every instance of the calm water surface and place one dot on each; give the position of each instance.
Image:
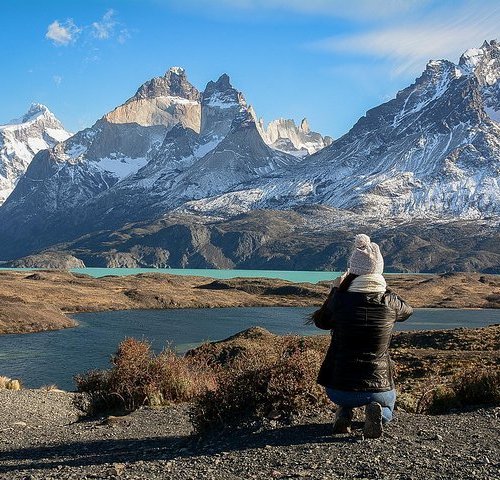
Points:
(55, 357)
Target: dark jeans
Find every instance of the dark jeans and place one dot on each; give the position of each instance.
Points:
(349, 400)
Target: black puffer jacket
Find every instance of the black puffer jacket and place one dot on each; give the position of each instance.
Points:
(361, 323)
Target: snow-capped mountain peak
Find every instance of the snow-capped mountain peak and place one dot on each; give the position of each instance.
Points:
(221, 94)
(177, 70)
(35, 111)
(221, 104)
(484, 65)
(484, 62)
(21, 139)
(173, 84)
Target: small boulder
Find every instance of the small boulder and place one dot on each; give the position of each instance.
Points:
(120, 421)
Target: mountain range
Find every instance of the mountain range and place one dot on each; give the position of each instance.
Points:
(178, 177)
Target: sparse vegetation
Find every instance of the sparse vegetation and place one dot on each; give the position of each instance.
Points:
(50, 388)
(258, 376)
(471, 387)
(276, 382)
(3, 382)
(139, 377)
(9, 383)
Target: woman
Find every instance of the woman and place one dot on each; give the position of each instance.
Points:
(361, 311)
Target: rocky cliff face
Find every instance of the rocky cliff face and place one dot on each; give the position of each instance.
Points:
(309, 238)
(167, 101)
(285, 136)
(60, 181)
(21, 139)
(228, 151)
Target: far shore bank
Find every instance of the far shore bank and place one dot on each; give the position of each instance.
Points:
(34, 301)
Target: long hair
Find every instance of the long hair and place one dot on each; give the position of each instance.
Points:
(318, 315)
(346, 283)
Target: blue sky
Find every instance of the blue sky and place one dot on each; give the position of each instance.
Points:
(327, 60)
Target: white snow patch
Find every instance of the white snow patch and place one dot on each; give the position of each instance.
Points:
(218, 100)
(121, 167)
(305, 189)
(180, 100)
(202, 150)
(231, 203)
(493, 114)
(473, 56)
(176, 70)
(76, 150)
(59, 135)
(36, 144)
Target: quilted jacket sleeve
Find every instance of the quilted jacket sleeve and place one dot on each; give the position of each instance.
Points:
(324, 317)
(403, 310)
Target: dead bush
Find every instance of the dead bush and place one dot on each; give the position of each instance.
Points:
(277, 385)
(139, 377)
(473, 387)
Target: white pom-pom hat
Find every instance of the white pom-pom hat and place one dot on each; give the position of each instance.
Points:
(366, 257)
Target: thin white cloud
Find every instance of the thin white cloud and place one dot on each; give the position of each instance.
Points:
(123, 36)
(340, 8)
(107, 28)
(104, 28)
(410, 45)
(57, 80)
(62, 33)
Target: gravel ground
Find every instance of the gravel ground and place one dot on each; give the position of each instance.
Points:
(41, 438)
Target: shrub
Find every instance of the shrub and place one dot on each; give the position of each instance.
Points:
(278, 385)
(472, 387)
(476, 388)
(10, 384)
(139, 377)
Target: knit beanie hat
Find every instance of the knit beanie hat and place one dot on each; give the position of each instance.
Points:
(366, 257)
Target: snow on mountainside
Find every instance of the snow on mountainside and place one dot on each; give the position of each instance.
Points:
(284, 135)
(140, 147)
(166, 145)
(21, 139)
(432, 152)
(116, 146)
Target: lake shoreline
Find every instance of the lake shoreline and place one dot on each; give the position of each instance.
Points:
(43, 300)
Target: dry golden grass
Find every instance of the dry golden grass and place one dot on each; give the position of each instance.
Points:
(31, 302)
(3, 382)
(7, 383)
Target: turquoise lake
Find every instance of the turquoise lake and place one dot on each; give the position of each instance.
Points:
(292, 276)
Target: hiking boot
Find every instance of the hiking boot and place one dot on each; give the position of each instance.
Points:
(342, 422)
(373, 420)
